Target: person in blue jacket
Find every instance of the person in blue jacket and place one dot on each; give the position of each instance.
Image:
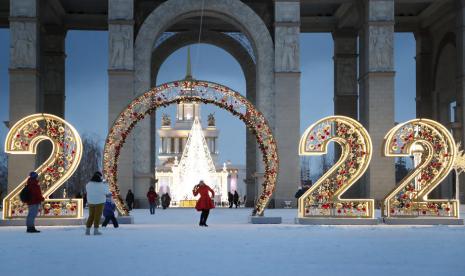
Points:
(109, 212)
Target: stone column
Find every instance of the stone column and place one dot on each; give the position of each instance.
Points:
(345, 73)
(287, 99)
(345, 85)
(424, 74)
(23, 77)
(121, 79)
(377, 91)
(176, 144)
(52, 79)
(460, 77)
(53, 72)
(253, 155)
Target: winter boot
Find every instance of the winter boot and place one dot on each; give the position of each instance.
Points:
(87, 231)
(205, 219)
(96, 232)
(202, 219)
(32, 229)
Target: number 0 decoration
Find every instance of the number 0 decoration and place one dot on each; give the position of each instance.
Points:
(23, 138)
(436, 152)
(191, 91)
(323, 199)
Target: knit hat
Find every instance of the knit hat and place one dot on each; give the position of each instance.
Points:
(108, 199)
(33, 175)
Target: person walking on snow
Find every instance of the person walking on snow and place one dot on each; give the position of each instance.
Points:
(109, 212)
(97, 191)
(152, 196)
(230, 199)
(204, 203)
(34, 198)
(130, 199)
(236, 198)
(165, 200)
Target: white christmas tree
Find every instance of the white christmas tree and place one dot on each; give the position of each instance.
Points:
(196, 162)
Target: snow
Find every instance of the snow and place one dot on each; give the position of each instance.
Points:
(171, 243)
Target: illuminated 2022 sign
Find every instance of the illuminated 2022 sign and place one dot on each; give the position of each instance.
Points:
(429, 142)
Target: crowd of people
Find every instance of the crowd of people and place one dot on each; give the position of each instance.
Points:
(99, 201)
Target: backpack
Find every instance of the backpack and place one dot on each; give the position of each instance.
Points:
(24, 195)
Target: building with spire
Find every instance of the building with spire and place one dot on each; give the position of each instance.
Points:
(188, 153)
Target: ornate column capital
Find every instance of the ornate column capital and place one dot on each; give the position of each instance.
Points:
(24, 34)
(287, 40)
(121, 34)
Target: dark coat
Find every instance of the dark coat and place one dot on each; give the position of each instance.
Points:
(230, 197)
(205, 201)
(35, 194)
(165, 200)
(109, 209)
(152, 196)
(130, 197)
(236, 197)
(301, 192)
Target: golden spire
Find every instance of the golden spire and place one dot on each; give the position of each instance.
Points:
(188, 69)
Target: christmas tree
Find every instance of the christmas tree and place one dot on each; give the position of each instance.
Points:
(196, 163)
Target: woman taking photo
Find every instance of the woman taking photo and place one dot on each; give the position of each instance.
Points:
(97, 191)
(204, 204)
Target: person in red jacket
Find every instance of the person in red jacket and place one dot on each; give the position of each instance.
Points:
(152, 196)
(204, 203)
(34, 199)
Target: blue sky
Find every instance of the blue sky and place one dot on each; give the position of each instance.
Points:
(87, 83)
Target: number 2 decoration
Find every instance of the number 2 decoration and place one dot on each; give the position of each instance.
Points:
(23, 138)
(435, 152)
(323, 199)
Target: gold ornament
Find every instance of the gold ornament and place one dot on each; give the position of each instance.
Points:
(435, 145)
(37, 128)
(192, 91)
(354, 161)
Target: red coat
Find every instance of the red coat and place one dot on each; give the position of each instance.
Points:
(152, 196)
(205, 201)
(35, 194)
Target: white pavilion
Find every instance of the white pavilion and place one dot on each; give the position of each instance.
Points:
(187, 154)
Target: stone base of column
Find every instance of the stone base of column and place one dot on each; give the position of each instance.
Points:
(125, 220)
(250, 192)
(265, 220)
(423, 221)
(142, 183)
(337, 221)
(285, 202)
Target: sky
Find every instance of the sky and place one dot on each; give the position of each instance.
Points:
(86, 106)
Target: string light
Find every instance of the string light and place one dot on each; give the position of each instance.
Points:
(436, 160)
(24, 138)
(323, 199)
(197, 92)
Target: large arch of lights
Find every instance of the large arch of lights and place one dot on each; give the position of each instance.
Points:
(191, 91)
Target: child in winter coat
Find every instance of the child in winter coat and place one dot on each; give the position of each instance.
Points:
(109, 212)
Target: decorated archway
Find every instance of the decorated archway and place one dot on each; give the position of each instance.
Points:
(191, 91)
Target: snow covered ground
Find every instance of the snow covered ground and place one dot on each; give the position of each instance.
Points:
(171, 243)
